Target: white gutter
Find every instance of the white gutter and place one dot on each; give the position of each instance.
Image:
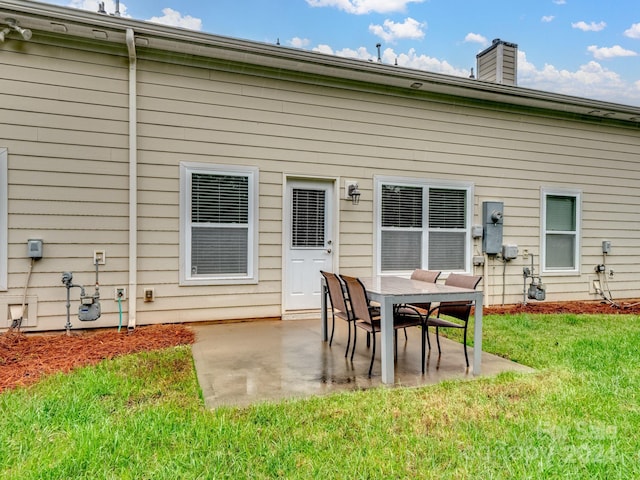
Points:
(133, 180)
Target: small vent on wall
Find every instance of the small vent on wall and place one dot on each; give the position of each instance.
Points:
(13, 308)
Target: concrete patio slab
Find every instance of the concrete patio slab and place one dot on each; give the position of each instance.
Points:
(239, 364)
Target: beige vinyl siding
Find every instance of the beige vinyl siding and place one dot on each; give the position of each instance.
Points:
(487, 70)
(68, 174)
(64, 123)
(509, 71)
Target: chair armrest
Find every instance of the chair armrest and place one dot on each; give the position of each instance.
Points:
(409, 310)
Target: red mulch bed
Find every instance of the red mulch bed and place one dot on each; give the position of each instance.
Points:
(622, 307)
(24, 358)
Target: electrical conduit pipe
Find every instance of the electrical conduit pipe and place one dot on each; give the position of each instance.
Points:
(133, 178)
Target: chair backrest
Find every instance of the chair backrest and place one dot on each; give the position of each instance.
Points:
(357, 297)
(460, 310)
(429, 276)
(336, 292)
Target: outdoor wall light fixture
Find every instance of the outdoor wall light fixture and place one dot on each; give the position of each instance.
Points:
(352, 191)
(12, 24)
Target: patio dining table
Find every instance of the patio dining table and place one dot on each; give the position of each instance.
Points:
(391, 290)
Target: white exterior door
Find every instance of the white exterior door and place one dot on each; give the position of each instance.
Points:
(309, 241)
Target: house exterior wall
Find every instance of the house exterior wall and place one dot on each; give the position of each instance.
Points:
(65, 127)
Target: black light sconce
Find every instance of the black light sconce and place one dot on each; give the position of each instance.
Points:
(352, 191)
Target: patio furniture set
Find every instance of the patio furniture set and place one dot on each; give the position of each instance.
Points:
(387, 304)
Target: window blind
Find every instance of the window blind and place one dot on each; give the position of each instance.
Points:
(447, 208)
(447, 250)
(219, 224)
(401, 206)
(308, 218)
(561, 213)
(560, 251)
(219, 198)
(401, 250)
(401, 236)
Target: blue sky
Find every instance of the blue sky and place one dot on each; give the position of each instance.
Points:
(586, 48)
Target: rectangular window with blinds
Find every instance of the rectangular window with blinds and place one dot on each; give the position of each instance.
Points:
(219, 224)
(308, 217)
(561, 233)
(422, 226)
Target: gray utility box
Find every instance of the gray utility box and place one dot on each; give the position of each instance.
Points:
(492, 223)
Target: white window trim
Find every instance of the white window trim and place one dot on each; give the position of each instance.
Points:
(420, 182)
(186, 169)
(567, 192)
(4, 237)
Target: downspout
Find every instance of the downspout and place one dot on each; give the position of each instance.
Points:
(133, 180)
(486, 284)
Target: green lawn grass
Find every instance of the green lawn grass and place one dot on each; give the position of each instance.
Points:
(141, 416)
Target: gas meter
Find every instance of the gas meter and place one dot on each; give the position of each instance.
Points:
(89, 309)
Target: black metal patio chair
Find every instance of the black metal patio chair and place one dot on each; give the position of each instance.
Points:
(370, 323)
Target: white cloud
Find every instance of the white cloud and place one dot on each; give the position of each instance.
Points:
(359, 54)
(476, 38)
(408, 60)
(589, 27)
(176, 19)
(547, 18)
(391, 31)
(92, 5)
(633, 32)
(560, 2)
(602, 53)
(299, 42)
(589, 81)
(323, 48)
(171, 17)
(361, 7)
(424, 62)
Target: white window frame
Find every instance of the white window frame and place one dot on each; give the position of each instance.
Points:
(379, 181)
(252, 173)
(4, 212)
(563, 192)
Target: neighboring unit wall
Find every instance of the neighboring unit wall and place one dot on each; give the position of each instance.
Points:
(65, 129)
